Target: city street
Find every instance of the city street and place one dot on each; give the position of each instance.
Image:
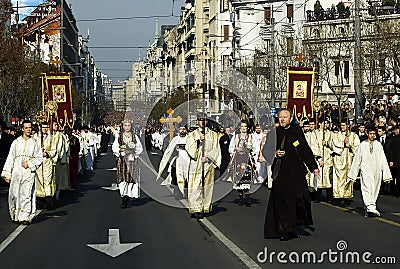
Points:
(166, 237)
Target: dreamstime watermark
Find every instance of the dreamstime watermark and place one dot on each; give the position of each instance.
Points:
(340, 255)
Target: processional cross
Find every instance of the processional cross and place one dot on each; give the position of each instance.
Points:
(171, 121)
(55, 61)
(300, 58)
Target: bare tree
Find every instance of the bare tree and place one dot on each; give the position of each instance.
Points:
(20, 86)
(330, 47)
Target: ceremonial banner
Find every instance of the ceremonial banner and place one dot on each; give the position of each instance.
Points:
(56, 88)
(300, 91)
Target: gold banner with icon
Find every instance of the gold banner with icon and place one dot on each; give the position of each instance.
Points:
(57, 98)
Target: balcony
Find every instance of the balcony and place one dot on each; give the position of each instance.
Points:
(325, 15)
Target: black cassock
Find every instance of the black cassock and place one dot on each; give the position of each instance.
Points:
(289, 204)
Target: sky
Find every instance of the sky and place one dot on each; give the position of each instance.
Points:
(132, 32)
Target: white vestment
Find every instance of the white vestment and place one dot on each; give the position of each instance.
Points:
(200, 197)
(62, 165)
(177, 156)
(374, 168)
(21, 195)
(261, 167)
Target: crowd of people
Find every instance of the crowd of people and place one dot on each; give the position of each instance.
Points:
(299, 160)
(42, 160)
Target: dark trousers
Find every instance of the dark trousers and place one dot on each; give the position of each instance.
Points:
(395, 183)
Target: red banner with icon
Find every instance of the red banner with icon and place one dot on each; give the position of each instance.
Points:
(56, 88)
(300, 91)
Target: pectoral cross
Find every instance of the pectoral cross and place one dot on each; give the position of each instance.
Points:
(171, 121)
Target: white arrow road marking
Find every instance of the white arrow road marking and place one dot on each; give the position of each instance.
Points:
(114, 248)
(114, 187)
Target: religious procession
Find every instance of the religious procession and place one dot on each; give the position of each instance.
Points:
(298, 158)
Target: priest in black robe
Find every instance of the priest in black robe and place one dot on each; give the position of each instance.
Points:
(289, 205)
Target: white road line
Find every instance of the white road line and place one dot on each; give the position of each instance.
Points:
(14, 235)
(249, 262)
(11, 237)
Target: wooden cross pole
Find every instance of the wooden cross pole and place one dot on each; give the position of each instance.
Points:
(171, 121)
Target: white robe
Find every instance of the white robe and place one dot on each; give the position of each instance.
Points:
(261, 167)
(374, 168)
(200, 198)
(180, 160)
(21, 195)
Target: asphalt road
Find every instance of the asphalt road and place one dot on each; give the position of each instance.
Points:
(231, 237)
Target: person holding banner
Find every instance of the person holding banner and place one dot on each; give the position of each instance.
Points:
(45, 175)
(344, 146)
(126, 148)
(289, 204)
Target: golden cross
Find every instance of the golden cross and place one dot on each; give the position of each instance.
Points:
(170, 120)
(300, 58)
(57, 62)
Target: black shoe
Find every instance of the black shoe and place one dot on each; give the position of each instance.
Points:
(197, 215)
(49, 202)
(342, 203)
(288, 236)
(241, 202)
(40, 204)
(25, 222)
(248, 201)
(127, 202)
(123, 204)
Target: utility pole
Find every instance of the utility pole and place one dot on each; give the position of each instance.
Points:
(272, 58)
(358, 81)
(62, 35)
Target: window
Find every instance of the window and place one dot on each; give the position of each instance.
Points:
(223, 5)
(225, 30)
(337, 68)
(290, 49)
(346, 70)
(382, 66)
(267, 15)
(290, 12)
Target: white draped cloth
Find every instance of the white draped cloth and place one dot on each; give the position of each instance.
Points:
(200, 197)
(261, 167)
(371, 161)
(177, 156)
(21, 196)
